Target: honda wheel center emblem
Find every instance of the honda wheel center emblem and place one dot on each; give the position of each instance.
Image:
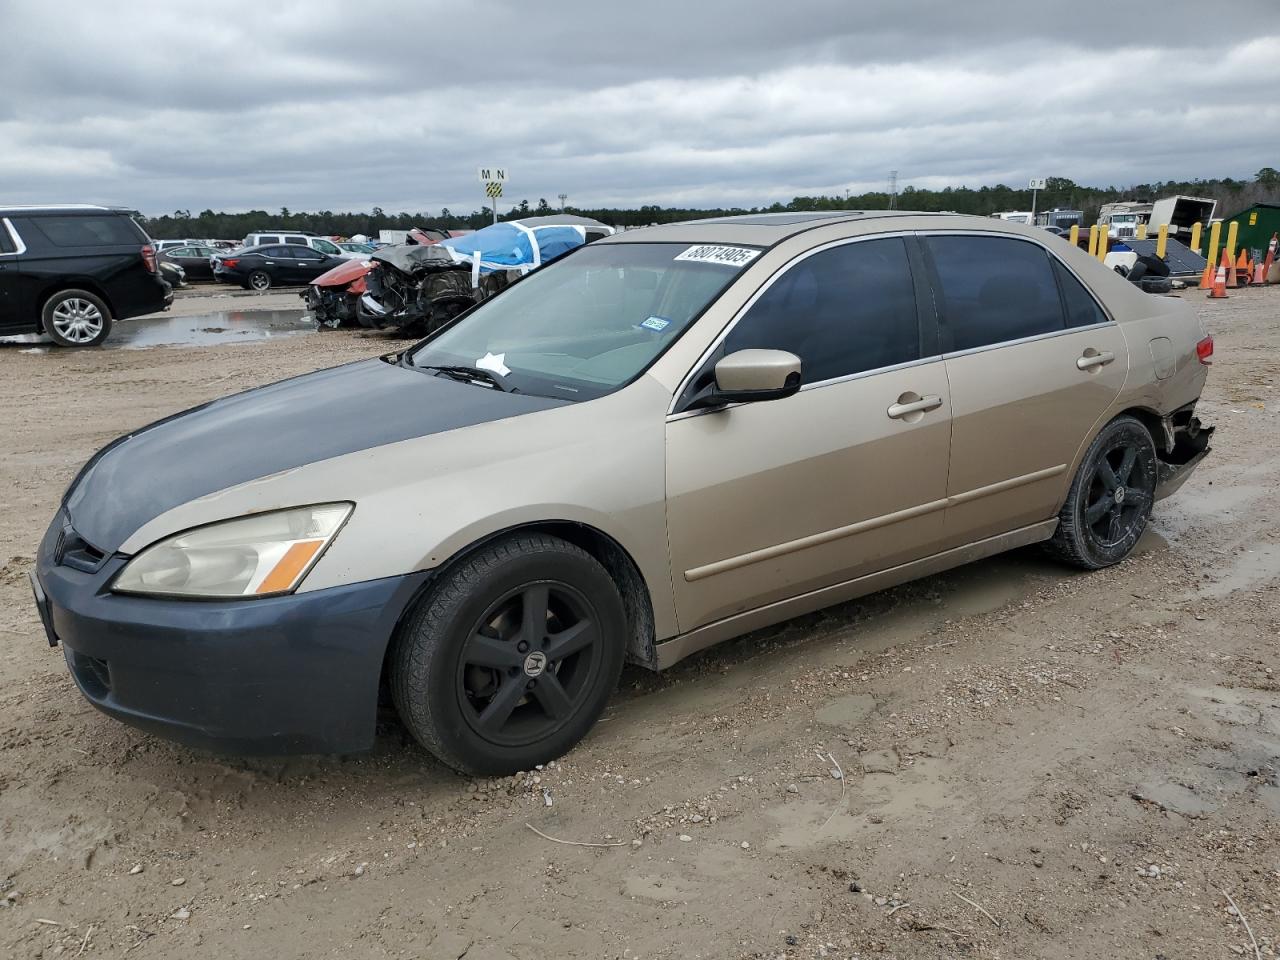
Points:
(535, 663)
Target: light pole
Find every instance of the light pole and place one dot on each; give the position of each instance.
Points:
(563, 198)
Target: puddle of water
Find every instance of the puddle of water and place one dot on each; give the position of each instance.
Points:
(231, 326)
(210, 329)
(1190, 505)
(1248, 569)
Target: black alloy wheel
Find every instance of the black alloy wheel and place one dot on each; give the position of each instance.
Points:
(1111, 497)
(1119, 498)
(528, 664)
(510, 657)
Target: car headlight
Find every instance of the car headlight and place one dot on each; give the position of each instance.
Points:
(262, 555)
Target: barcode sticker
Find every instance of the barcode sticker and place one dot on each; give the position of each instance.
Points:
(724, 256)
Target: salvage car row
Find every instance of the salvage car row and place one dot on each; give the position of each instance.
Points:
(423, 283)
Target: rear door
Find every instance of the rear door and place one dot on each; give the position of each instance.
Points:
(766, 501)
(306, 264)
(1033, 362)
(10, 316)
(272, 260)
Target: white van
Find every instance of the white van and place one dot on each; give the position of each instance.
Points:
(295, 238)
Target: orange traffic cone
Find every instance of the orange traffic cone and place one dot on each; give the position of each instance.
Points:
(1206, 278)
(1259, 274)
(1242, 269)
(1219, 291)
(1231, 270)
(1270, 258)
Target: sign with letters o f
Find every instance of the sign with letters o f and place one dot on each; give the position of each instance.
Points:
(1037, 183)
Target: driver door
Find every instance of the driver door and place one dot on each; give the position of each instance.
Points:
(770, 500)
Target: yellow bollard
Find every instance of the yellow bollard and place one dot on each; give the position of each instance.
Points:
(1162, 240)
(1141, 232)
(1195, 236)
(1215, 237)
(1104, 234)
(1093, 240)
(1074, 234)
(1232, 229)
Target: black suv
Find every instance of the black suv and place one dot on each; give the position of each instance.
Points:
(69, 271)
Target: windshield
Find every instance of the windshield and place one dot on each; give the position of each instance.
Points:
(585, 325)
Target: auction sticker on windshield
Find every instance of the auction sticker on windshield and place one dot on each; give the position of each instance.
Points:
(725, 256)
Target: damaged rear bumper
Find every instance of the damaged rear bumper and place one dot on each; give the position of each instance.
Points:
(1185, 444)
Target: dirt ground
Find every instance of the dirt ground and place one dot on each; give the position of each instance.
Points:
(1007, 761)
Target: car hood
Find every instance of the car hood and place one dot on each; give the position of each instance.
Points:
(344, 273)
(269, 430)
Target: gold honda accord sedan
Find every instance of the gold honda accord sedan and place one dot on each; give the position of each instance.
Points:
(661, 440)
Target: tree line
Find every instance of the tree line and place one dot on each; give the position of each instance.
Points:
(1232, 196)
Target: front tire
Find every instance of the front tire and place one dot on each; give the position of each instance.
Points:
(76, 318)
(1110, 499)
(510, 659)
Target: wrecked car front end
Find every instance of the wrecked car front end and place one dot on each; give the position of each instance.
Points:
(332, 297)
(417, 289)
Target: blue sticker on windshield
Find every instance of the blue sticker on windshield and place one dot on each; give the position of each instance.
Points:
(656, 323)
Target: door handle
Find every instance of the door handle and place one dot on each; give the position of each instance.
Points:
(897, 411)
(1088, 362)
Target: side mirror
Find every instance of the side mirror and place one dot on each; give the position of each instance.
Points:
(749, 376)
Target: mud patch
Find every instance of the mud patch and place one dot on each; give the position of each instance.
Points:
(1175, 798)
(659, 889)
(846, 712)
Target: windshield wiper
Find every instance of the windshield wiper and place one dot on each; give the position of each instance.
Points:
(471, 375)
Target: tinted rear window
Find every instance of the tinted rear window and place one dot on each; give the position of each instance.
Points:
(994, 289)
(89, 231)
(1082, 309)
(6, 241)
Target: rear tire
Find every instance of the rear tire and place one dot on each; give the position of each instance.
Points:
(510, 659)
(1110, 499)
(76, 318)
(259, 280)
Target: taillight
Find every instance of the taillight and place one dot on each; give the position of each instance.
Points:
(1204, 350)
(229, 261)
(149, 257)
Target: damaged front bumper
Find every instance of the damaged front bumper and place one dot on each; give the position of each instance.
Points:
(1185, 442)
(332, 307)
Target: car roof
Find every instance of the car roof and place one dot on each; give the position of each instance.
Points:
(767, 229)
(36, 209)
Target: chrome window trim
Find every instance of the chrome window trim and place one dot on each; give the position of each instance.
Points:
(746, 307)
(1035, 242)
(19, 246)
(1021, 340)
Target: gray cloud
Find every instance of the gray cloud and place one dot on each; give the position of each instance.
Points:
(341, 105)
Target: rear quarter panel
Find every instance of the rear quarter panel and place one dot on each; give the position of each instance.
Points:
(1143, 317)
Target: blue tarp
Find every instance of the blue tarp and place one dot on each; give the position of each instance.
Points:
(505, 246)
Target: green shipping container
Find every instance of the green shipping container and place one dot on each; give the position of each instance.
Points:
(1257, 224)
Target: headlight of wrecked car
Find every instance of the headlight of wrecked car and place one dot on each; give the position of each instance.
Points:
(256, 556)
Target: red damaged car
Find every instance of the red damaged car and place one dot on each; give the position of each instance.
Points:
(333, 297)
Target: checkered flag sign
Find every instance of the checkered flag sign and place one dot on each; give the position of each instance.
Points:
(493, 190)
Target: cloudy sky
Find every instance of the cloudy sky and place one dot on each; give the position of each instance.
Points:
(349, 105)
